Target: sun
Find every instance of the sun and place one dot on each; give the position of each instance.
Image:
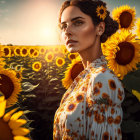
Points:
(48, 33)
(122, 53)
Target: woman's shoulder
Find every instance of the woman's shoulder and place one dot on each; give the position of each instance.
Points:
(103, 74)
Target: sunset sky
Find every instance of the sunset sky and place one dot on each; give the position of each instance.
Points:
(34, 22)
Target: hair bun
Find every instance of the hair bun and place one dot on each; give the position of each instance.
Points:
(111, 26)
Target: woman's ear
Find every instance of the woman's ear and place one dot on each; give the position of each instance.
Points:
(100, 28)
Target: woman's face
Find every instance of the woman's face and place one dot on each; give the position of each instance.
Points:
(77, 30)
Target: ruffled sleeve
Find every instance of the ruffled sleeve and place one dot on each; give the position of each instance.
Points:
(104, 113)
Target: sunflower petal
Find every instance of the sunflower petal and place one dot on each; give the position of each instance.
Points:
(20, 131)
(2, 98)
(21, 138)
(137, 94)
(16, 115)
(7, 116)
(2, 108)
(14, 124)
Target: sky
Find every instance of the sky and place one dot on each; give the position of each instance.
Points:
(34, 22)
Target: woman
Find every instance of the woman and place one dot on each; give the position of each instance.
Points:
(91, 107)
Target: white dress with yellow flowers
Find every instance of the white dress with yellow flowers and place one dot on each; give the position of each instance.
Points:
(91, 107)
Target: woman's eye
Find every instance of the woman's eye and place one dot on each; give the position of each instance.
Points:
(63, 27)
(78, 23)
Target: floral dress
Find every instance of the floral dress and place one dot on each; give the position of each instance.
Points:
(91, 107)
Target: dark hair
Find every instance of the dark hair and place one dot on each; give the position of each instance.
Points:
(89, 7)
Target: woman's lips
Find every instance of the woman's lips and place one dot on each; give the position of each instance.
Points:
(70, 42)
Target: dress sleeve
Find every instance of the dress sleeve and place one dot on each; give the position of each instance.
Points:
(104, 113)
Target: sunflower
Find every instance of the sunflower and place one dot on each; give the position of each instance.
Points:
(64, 50)
(72, 56)
(17, 51)
(1, 52)
(9, 86)
(19, 75)
(42, 50)
(101, 12)
(18, 72)
(125, 16)
(72, 72)
(138, 27)
(11, 124)
(36, 66)
(60, 61)
(49, 56)
(6, 51)
(35, 53)
(122, 53)
(24, 51)
(137, 94)
(50, 49)
(56, 49)
(31, 51)
(2, 63)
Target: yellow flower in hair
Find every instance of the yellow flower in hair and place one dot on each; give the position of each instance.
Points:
(101, 12)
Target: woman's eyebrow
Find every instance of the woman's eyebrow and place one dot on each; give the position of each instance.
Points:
(73, 19)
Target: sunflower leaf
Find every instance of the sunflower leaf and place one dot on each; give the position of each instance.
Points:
(27, 86)
(132, 81)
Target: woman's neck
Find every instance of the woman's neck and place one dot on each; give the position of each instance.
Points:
(90, 54)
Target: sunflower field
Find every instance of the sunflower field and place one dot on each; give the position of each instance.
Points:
(34, 78)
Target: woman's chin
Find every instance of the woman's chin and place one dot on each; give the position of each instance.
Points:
(72, 50)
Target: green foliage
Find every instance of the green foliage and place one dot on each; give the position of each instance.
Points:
(132, 81)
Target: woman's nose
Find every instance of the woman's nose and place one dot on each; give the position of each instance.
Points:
(68, 31)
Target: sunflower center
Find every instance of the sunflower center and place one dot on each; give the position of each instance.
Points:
(126, 53)
(50, 57)
(6, 51)
(72, 56)
(56, 49)
(125, 19)
(18, 51)
(5, 131)
(31, 51)
(24, 51)
(35, 54)
(6, 86)
(60, 61)
(76, 69)
(37, 66)
(101, 11)
(42, 50)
